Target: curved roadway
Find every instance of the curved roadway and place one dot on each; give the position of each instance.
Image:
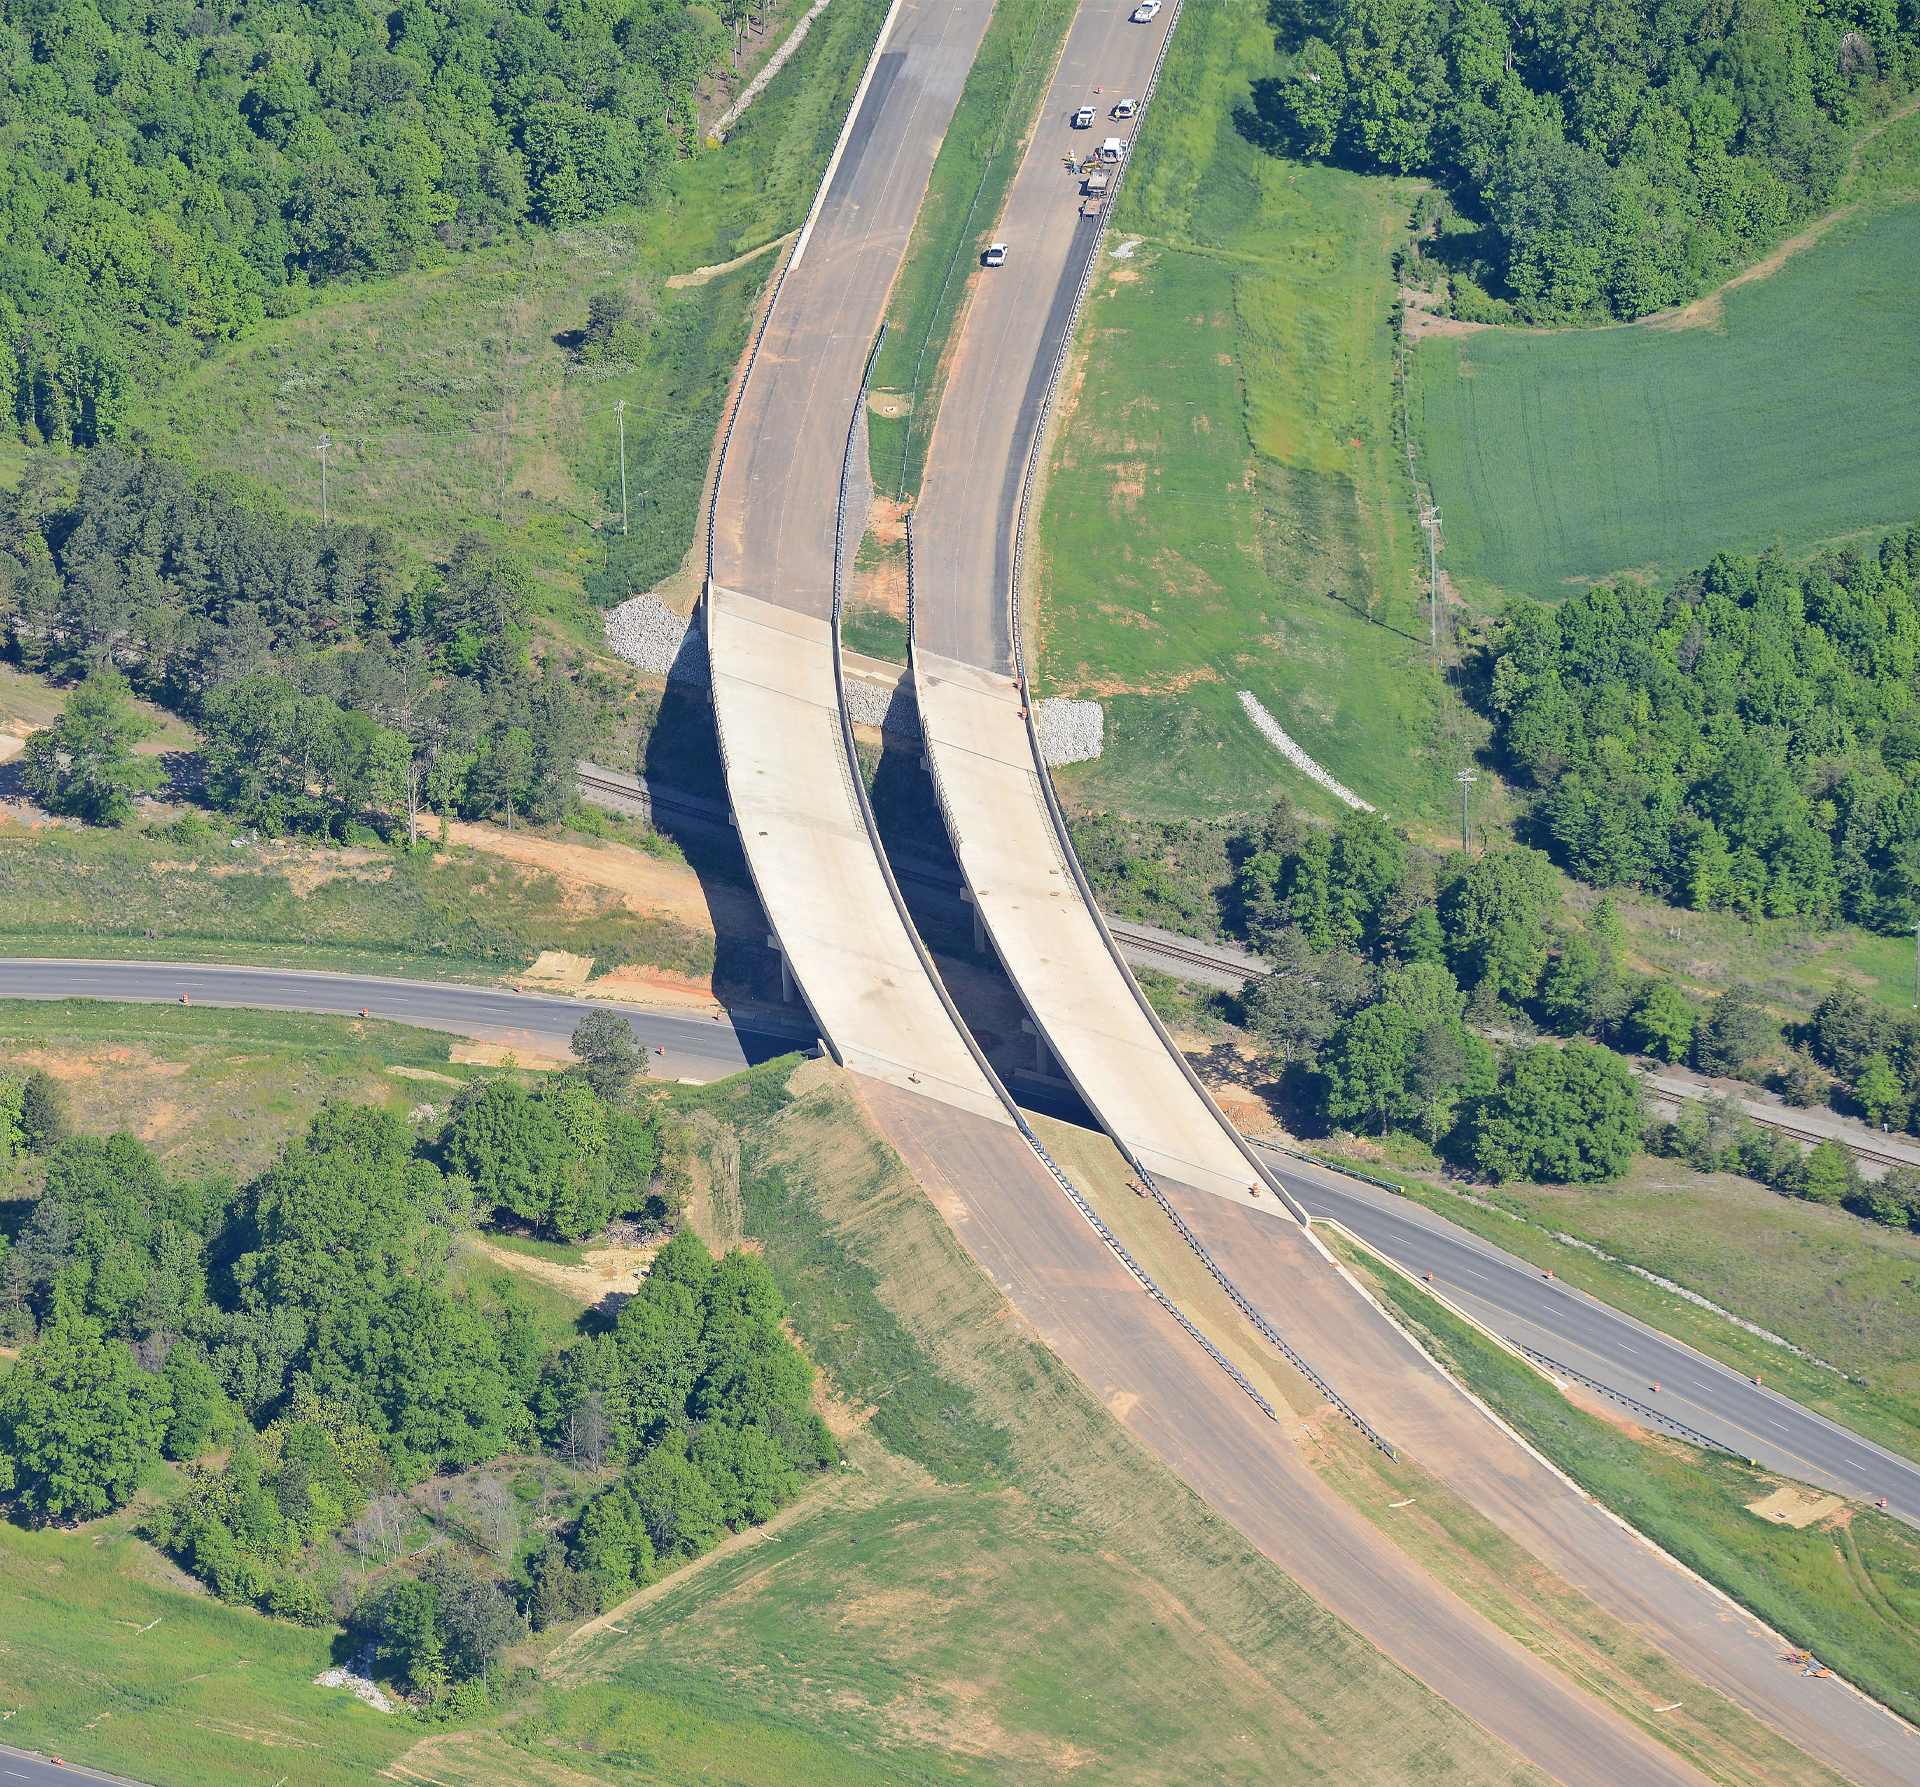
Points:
(1509, 1295)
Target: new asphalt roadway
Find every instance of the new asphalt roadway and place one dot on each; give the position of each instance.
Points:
(1566, 1328)
(21, 1768)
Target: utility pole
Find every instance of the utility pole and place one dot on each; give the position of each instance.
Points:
(620, 410)
(1466, 778)
(325, 444)
(1430, 520)
(1916, 967)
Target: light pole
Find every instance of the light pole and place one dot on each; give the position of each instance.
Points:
(1430, 520)
(1916, 966)
(620, 410)
(325, 443)
(1466, 778)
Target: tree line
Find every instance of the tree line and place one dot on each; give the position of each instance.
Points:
(1399, 978)
(177, 173)
(309, 1329)
(1598, 161)
(337, 695)
(1746, 740)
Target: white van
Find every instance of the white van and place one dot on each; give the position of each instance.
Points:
(1112, 149)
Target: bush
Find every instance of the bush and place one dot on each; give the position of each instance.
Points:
(1733, 1033)
(1567, 1115)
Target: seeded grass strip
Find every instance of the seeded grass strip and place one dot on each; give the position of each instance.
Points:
(1847, 1589)
(980, 155)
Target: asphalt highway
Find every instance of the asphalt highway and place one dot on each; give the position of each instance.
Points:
(22, 1768)
(1568, 1328)
(681, 1047)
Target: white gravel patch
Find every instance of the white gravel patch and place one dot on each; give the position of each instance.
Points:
(363, 1688)
(1270, 729)
(646, 632)
(1071, 731)
(894, 710)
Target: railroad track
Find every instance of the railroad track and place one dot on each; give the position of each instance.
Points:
(1769, 1120)
(1148, 949)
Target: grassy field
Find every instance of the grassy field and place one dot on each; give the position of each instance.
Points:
(1565, 457)
(432, 913)
(218, 1091)
(1004, 1586)
(207, 1694)
(1227, 506)
(1847, 1587)
(452, 400)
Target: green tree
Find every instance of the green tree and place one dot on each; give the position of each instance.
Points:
(43, 1112)
(201, 1417)
(1830, 1175)
(612, 1054)
(518, 1154)
(1879, 1089)
(1492, 912)
(334, 1215)
(1733, 1032)
(1367, 1063)
(79, 1422)
(84, 764)
(1296, 1007)
(1435, 1074)
(1661, 1021)
(1567, 1115)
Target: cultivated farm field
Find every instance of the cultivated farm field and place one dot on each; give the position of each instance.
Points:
(1785, 410)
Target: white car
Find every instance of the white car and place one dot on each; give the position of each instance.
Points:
(1083, 119)
(997, 254)
(1143, 13)
(1126, 108)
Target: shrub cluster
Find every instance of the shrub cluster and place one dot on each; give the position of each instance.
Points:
(336, 695)
(308, 1325)
(1746, 741)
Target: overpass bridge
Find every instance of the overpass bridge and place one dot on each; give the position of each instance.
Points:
(775, 557)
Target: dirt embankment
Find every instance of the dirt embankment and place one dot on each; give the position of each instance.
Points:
(646, 884)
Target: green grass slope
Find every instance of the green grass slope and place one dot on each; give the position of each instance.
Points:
(1227, 504)
(1562, 458)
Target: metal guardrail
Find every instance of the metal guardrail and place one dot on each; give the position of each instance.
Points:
(1267, 1331)
(1652, 1414)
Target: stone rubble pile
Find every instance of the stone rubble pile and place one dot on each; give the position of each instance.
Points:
(649, 635)
(1071, 731)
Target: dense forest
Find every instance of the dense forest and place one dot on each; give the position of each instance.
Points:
(175, 172)
(320, 1333)
(337, 695)
(1747, 740)
(1601, 160)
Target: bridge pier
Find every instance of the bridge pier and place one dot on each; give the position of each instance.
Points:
(786, 972)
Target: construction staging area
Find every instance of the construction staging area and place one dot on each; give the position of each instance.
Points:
(779, 545)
